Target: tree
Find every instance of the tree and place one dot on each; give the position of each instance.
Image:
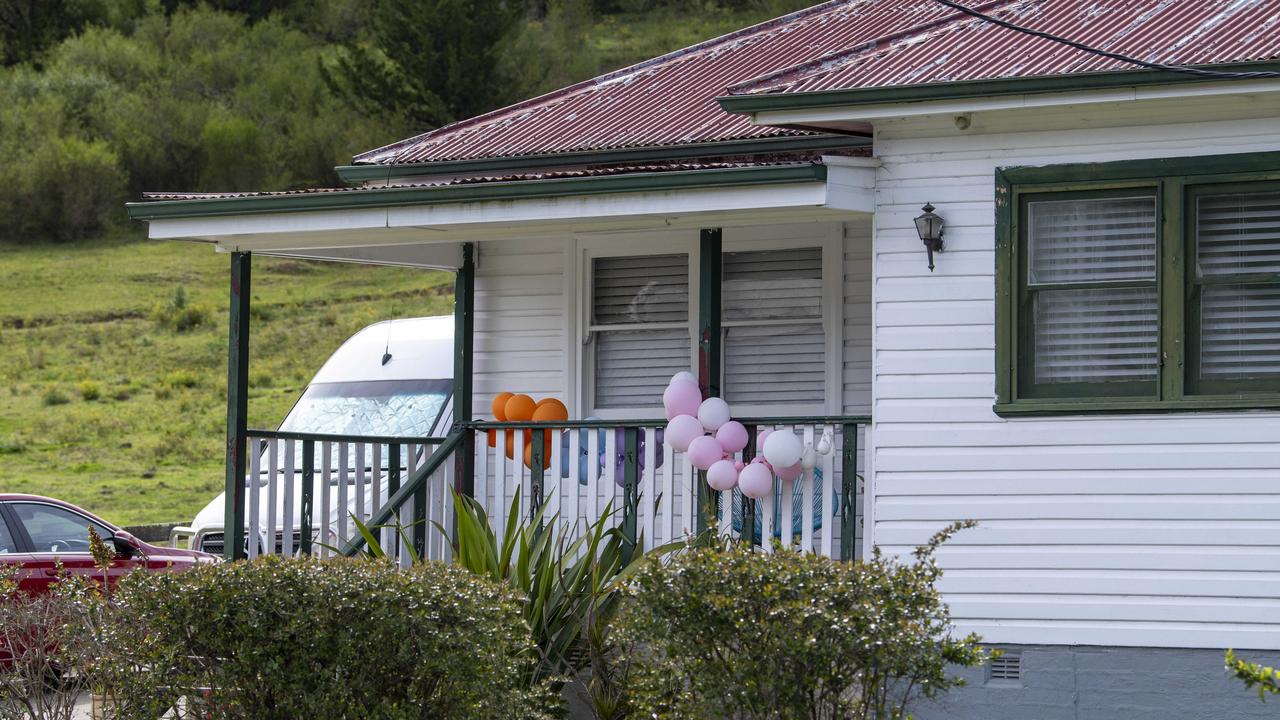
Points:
(427, 63)
(28, 27)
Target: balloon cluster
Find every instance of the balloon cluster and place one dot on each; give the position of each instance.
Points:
(508, 407)
(703, 430)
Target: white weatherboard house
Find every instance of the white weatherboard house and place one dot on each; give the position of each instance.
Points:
(1091, 370)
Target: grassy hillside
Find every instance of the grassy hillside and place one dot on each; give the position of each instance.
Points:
(106, 402)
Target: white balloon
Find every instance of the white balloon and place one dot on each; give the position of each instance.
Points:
(824, 444)
(808, 458)
(684, 375)
(713, 412)
(782, 449)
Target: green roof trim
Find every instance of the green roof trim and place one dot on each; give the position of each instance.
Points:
(356, 174)
(967, 89)
(480, 192)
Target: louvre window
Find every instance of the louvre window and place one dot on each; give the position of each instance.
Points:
(774, 345)
(1236, 290)
(1091, 292)
(1119, 290)
(639, 327)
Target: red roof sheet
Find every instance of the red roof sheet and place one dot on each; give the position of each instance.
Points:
(845, 44)
(1171, 32)
(669, 100)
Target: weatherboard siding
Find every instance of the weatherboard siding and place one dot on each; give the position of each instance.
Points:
(520, 313)
(1142, 530)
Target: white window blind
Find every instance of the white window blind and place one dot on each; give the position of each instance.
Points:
(1238, 239)
(1091, 280)
(639, 327)
(774, 345)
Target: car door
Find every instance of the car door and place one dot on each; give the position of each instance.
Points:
(13, 553)
(59, 542)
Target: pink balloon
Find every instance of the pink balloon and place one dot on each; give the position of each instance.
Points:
(704, 451)
(732, 436)
(682, 430)
(761, 436)
(681, 398)
(789, 474)
(738, 465)
(755, 481)
(722, 475)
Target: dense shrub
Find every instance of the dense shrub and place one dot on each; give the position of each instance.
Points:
(736, 634)
(276, 638)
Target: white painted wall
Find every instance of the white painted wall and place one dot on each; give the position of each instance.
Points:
(520, 321)
(1144, 530)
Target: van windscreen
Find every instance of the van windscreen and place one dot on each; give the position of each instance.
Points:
(399, 408)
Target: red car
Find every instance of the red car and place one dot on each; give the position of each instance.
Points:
(37, 533)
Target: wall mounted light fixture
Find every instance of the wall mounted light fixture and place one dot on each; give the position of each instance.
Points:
(929, 227)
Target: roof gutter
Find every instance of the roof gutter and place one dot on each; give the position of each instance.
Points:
(965, 89)
(357, 174)
(379, 197)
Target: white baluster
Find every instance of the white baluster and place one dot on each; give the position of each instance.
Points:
(273, 490)
(326, 529)
(255, 497)
(343, 509)
(829, 489)
(290, 481)
(806, 510)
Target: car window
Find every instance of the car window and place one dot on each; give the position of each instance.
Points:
(53, 529)
(7, 542)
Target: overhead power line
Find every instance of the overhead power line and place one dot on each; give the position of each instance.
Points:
(1201, 72)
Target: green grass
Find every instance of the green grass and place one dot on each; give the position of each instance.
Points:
(137, 433)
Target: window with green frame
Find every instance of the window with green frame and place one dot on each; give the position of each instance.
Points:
(1139, 285)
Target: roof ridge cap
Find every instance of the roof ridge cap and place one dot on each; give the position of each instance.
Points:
(778, 77)
(611, 76)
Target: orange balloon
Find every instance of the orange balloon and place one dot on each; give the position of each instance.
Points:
(546, 454)
(550, 410)
(511, 444)
(493, 438)
(519, 408)
(499, 406)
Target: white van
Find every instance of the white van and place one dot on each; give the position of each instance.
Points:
(392, 379)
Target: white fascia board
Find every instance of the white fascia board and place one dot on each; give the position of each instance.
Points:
(848, 190)
(851, 183)
(865, 113)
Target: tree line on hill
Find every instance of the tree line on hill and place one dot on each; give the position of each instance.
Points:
(103, 99)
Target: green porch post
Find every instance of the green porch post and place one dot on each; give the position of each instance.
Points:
(237, 406)
(709, 339)
(464, 326)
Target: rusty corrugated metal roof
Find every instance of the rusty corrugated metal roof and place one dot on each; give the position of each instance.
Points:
(779, 161)
(1171, 32)
(845, 44)
(669, 100)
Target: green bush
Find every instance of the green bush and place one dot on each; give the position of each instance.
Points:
(89, 390)
(65, 188)
(53, 396)
(733, 633)
(276, 638)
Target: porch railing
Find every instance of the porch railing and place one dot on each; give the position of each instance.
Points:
(578, 468)
(304, 489)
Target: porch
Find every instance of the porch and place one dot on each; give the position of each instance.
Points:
(533, 258)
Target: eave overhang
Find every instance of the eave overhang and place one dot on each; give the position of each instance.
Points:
(319, 224)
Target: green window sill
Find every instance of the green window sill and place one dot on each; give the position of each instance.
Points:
(1077, 406)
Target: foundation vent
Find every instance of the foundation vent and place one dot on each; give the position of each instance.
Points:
(1006, 668)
